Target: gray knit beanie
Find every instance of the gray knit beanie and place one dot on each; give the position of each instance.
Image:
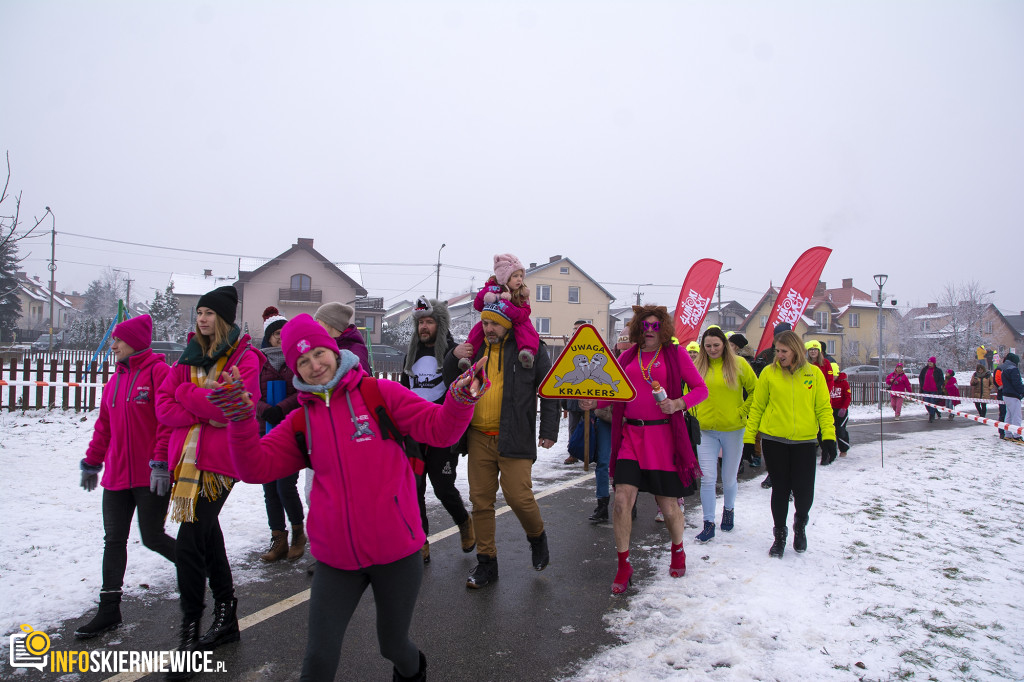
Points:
(338, 315)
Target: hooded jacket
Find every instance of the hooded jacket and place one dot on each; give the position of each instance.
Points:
(352, 341)
(128, 434)
(841, 393)
(180, 404)
(363, 508)
(791, 406)
(1012, 385)
(981, 385)
(725, 408)
(899, 382)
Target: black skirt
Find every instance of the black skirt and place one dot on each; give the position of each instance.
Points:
(664, 483)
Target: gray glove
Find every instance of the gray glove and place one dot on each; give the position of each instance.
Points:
(90, 475)
(159, 478)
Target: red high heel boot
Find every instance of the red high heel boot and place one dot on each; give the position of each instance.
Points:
(624, 576)
(678, 567)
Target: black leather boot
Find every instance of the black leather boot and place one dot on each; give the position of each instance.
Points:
(778, 547)
(107, 617)
(420, 676)
(224, 628)
(539, 551)
(799, 537)
(600, 514)
(189, 642)
(485, 573)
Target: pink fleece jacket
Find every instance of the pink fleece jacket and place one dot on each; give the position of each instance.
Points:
(363, 507)
(127, 434)
(180, 404)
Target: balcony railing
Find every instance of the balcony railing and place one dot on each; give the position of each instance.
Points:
(310, 295)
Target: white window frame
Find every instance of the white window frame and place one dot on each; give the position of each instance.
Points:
(763, 321)
(989, 326)
(830, 347)
(543, 325)
(564, 270)
(854, 319)
(577, 290)
(821, 317)
(544, 292)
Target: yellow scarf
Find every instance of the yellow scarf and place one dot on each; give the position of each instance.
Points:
(189, 481)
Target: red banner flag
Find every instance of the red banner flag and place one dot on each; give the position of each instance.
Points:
(795, 292)
(695, 298)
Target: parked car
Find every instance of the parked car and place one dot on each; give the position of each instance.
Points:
(171, 349)
(43, 342)
(386, 358)
(861, 372)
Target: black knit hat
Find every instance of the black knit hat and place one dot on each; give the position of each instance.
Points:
(222, 300)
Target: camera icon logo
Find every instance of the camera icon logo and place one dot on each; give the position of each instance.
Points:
(30, 648)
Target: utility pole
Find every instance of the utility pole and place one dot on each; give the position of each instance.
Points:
(638, 292)
(52, 267)
(880, 281)
(437, 286)
(720, 298)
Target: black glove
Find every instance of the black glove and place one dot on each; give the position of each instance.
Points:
(749, 453)
(829, 448)
(159, 478)
(90, 475)
(273, 415)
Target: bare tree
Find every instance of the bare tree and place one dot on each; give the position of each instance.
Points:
(965, 303)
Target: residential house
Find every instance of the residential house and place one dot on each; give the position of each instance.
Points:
(300, 280)
(857, 316)
(729, 319)
(34, 295)
(189, 287)
(958, 330)
(562, 293)
(818, 321)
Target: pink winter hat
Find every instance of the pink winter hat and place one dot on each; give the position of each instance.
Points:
(137, 332)
(504, 265)
(301, 334)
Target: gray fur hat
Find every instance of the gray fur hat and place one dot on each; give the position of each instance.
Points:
(429, 307)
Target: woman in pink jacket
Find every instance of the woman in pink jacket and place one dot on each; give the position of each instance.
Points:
(364, 519)
(126, 437)
(197, 456)
(898, 381)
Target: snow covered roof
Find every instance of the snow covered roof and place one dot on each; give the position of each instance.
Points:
(188, 284)
(36, 289)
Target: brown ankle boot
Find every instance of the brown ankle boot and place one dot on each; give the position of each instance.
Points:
(278, 546)
(298, 546)
(467, 535)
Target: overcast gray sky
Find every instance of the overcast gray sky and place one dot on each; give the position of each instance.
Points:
(634, 137)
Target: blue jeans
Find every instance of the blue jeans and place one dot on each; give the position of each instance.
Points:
(604, 455)
(731, 445)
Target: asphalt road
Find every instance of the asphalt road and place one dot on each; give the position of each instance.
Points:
(528, 625)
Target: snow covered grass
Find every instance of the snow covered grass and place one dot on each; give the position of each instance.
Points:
(912, 570)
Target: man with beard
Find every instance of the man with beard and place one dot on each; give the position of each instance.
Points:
(424, 363)
(502, 439)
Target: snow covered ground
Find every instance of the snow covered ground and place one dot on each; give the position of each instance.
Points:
(912, 571)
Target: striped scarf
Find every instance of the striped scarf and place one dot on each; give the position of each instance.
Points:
(190, 482)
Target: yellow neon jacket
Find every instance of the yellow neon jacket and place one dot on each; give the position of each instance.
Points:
(725, 409)
(791, 406)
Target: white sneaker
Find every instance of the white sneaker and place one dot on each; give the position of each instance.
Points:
(659, 517)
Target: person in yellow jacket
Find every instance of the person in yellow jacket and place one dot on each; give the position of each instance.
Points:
(722, 417)
(791, 404)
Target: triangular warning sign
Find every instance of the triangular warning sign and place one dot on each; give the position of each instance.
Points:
(587, 369)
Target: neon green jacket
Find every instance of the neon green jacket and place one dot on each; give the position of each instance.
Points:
(791, 406)
(725, 409)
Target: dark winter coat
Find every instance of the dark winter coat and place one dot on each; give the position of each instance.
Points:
(517, 431)
(938, 376)
(270, 373)
(1012, 385)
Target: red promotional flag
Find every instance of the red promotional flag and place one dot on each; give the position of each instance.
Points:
(795, 292)
(695, 297)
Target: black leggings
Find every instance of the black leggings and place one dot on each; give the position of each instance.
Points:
(792, 467)
(441, 466)
(282, 496)
(199, 552)
(118, 508)
(333, 599)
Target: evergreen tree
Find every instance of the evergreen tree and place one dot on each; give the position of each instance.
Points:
(10, 303)
(166, 315)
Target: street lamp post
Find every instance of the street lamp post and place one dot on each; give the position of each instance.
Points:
(720, 297)
(638, 292)
(437, 285)
(52, 267)
(880, 281)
